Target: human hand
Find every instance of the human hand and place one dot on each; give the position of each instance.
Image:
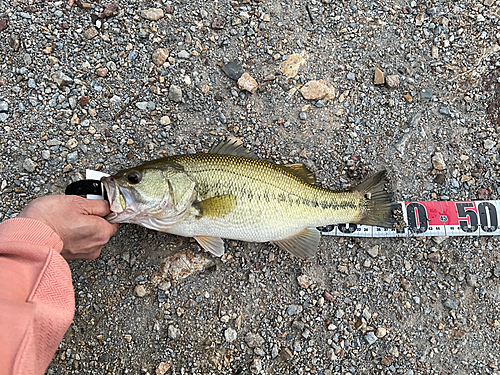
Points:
(77, 221)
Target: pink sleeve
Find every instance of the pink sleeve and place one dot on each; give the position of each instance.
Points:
(37, 302)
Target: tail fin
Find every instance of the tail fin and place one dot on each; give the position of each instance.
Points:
(377, 202)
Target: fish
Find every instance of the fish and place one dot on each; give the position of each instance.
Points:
(229, 193)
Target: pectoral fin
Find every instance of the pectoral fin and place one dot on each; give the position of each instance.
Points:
(303, 245)
(213, 245)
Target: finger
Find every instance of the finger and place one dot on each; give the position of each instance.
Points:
(95, 207)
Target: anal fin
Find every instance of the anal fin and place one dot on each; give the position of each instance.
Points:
(303, 244)
(213, 245)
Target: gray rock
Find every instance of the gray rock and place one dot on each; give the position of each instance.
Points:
(184, 54)
(175, 93)
(45, 154)
(173, 332)
(29, 165)
(426, 94)
(445, 111)
(72, 157)
(4, 106)
(303, 116)
(292, 310)
(496, 271)
(489, 144)
(451, 303)
(62, 79)
(151, 106)
(254, 340)
(142, 105)
(351, 76)
(3, 117)
(230, 335)
(233, 70)
(115, 100)
(31, 83)
(370, 338)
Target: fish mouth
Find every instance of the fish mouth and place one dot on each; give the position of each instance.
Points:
(119, 198)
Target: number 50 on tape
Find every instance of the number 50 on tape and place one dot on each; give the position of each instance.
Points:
(446, 218)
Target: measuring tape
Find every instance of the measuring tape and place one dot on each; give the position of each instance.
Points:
(424, 219)
(421, 219)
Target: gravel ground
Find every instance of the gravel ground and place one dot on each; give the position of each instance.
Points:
(413, 87)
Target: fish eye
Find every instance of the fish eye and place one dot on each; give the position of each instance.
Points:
(134, 177)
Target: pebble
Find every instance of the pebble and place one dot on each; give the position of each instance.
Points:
(140, 290)
(318, 90)
(380, 332)
(45, 154)
(248, 83)
(72, 157)
(218, 23)
(102, 72)
(445, 111)
(152, 14)
(165, 120)
(62, 79)
(182, 264)
(160, 56)
(90, 33)
(233, 70)
(175, 93)
(230, 335)
(496, 271)
(370, 338)
(489, 144)
(452, 303)
(290, 67)
(184, 54)
(72, 143)
(351, 76)
(426, 94)
(373, 251)
(292, 310)
(304, 281)
(162, 368)
(438, 161)
(29, 165)
(434, 257)
(4, 106)
(378, 78)
(173, 332)
(142, 105)
(303, 116)
(406, 285)
(392, 81)
(256, 366)
(254, 340)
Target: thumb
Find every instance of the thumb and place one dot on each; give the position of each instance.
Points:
(97, 207)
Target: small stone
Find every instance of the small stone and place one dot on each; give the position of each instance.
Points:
(233, 70)
(434, 52)
(4, 106)
(84, 100)
(3, 24)
(182, 264)
(392, 81)
(162, 368)
(419, 19)
(304, 281)
(3, 116)
(256, 366)
(72, 157)
(102, 72)
(152, 14)
(29, 165)
(318, 90)
(434, 257)
(426, 94)
(406, 285)
(184, 54)
(290, 67)
(373, 251)
(45, 154)
(351, 76)
(489, 3)
(378, 78)
(91, 33)
(445, 111)
(286, 354)
(246, 82)
(380, 332)
(67, 168)
(140, 290)
(292, 310)
(62, 79)
(173, 332)
(218, 23)
(175, 93)
(230, 335)
(438, 161)
(303, 116)
(489, 144)
(408, 98)
(165, 120)
(160, 56)
(452, 303)
(483, 194)
(15, 41)
(72, 143)
(370, 338)
(109, 10)
(472, 281)
(496, 271)
(254, 340)
(128, 338)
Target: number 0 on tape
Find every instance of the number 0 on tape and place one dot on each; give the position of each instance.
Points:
(454, 218)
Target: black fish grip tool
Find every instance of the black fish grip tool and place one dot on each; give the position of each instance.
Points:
(84, 187)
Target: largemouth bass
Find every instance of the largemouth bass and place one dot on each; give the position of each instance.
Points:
(229, 193)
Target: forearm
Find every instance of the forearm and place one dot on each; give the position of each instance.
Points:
(36, 296)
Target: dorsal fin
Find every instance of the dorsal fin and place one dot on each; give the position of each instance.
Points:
(301, 171)
(231, 147)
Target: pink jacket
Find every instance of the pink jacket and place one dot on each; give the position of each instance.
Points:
(37, 302)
